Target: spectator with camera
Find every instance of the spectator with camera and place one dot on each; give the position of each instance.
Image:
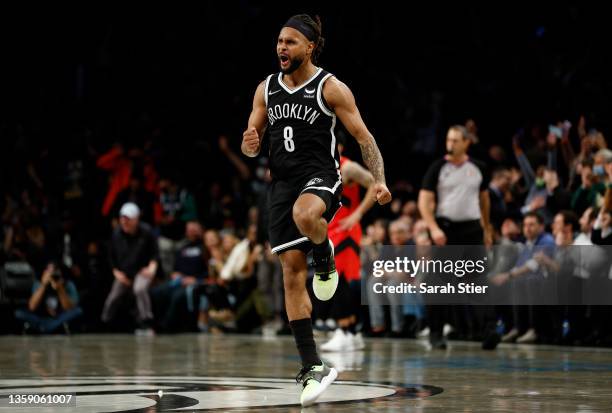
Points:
(53, 303)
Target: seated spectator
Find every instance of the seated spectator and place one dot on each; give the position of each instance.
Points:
(563, 227)
(214, 259)
(215, 252)
(410, 210)
(608, 169)
(53, 304)
(177, 207)
(601, 160)
(561, 271)
(134, 264)
(190, 271)
(270, 281)
(602, 228)
(499, 185)
(400, 234)
(237, 304)
(527, 274)
(95, 277)
(505, 254)
(236, 252)
(586, 221)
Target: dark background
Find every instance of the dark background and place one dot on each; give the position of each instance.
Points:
(184, 75)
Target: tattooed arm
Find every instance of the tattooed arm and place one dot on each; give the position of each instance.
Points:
(373, 159)
(341, 100)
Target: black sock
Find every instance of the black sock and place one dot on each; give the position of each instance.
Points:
(302, 332)
(322, 250)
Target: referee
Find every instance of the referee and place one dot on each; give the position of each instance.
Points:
(454, 202)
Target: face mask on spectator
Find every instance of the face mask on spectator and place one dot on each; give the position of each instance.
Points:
(599, 170)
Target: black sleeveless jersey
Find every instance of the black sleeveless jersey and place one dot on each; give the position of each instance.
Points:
(301, 128)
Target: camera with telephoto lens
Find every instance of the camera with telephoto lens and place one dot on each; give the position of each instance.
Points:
(56, 275)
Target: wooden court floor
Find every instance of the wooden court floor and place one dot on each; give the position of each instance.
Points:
(109, 373)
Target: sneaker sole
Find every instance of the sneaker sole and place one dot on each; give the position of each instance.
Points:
(327, 380)
(333, 350)
(334, 278)
(335, 287)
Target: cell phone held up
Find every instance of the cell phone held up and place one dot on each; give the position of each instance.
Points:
(555, 130)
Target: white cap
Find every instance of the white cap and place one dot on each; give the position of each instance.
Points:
(130, 210)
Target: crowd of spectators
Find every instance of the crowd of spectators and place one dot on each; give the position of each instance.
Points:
(115, 242)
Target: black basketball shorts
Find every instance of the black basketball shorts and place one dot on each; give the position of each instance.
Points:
(284, 234)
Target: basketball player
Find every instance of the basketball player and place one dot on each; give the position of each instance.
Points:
(299, 107)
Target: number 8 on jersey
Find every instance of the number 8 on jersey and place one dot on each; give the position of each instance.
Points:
(288, 135)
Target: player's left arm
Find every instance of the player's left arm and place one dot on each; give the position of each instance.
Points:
(341, 100)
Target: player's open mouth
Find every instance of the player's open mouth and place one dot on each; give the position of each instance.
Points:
(284, 59)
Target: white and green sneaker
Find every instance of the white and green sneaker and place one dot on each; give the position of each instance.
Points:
(325, 280)
(315, 380)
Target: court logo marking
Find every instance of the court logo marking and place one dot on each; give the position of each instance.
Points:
(142, 393)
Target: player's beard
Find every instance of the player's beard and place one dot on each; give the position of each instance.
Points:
(295, 64)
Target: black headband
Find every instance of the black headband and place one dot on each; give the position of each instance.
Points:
(301, 27)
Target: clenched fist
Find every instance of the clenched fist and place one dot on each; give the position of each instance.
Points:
(250, 142)
(383, 196)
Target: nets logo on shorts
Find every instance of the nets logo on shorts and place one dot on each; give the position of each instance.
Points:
(314, 181)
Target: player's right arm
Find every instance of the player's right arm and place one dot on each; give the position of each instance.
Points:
(251, 137)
